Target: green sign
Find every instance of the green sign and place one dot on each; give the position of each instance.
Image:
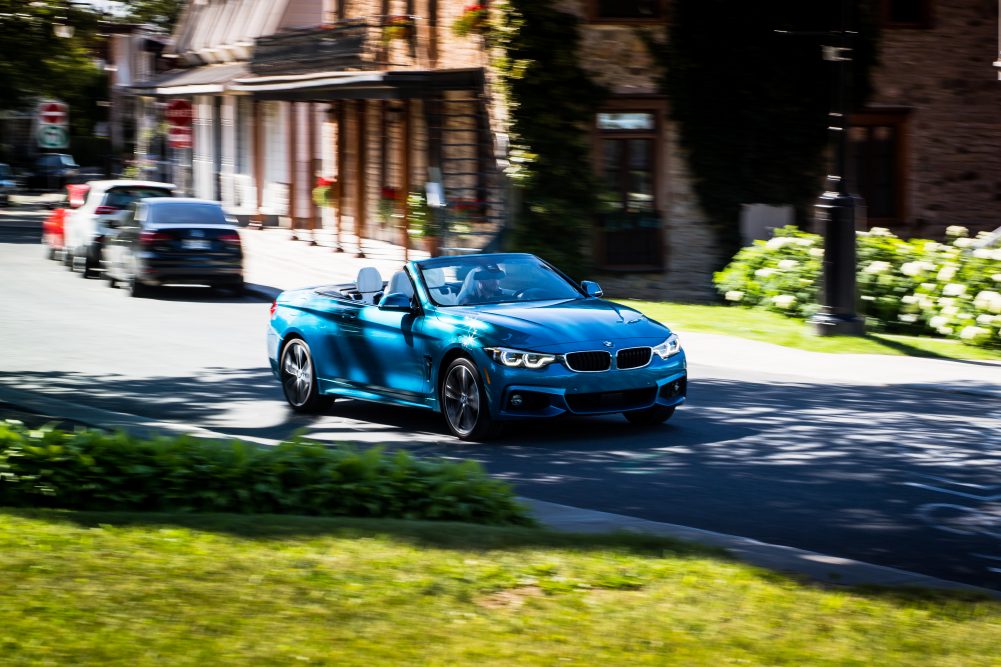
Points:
(53, 136)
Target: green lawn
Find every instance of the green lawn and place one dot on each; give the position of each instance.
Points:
(780, 330)
(107, 589)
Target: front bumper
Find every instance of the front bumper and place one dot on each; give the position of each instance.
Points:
(519, 393)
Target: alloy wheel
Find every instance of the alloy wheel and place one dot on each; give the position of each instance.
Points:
(461, 395)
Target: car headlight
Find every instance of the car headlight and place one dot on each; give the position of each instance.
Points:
(668, 348)
(519, 358)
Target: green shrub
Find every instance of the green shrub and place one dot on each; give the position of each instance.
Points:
(918, 286)
(95, 470)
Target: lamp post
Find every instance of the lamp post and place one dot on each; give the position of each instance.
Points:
(838, 211)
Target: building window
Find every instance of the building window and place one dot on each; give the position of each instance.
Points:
(907, 13)
(629, 226)
(630, 11)
(876, 163)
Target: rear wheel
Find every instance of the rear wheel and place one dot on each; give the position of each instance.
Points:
(464, 402)
(657, 414)
(137, 289)
(298, 378)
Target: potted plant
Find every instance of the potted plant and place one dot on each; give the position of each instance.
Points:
(325, 191)
(421, 222)
(389, 203)
(397, 27)
(473, 20)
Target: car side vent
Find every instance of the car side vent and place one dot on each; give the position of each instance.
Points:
(633, 357)
(588, 362)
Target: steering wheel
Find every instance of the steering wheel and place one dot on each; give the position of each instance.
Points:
(528, 293)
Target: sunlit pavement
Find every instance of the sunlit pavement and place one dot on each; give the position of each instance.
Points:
(865, 459)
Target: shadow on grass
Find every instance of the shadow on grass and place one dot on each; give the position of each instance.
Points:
(912, 351)
(474, 539)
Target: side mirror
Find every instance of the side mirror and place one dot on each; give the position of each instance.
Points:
(591, 288)
(396, 301)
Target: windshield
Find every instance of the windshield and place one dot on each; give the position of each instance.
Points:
(122, 197)
(187, 213)
(473, 280)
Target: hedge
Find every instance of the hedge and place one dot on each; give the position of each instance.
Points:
(916, 286)
(96, 470)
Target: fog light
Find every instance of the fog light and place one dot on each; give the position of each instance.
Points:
(516, 400)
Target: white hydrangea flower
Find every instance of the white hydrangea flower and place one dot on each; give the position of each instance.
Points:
(787, 264)
(928, 287)
(804, 241)
(954, 289)
(907, 317)
(988, 300)
(910, 268)
(880, 231)
(933, 247)
(971, 332)
(777, 242)
(816, 252)
(946, 273)
(962, 242)
(996, 277)
(986, 319)
(950, 310)
(983, 253)
(764, 273)
(909, 298)
(997, 254)
(734, 295)
(938, 322)
(945, 331)
(877, 267)
(784, 300)
(946, 301)
(867, 297)
(957, 230)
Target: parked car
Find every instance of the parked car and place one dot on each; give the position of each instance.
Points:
(53, 228)
(165, 240)
(52, 171)
(107, 202)
(7, 184)
(481, 339)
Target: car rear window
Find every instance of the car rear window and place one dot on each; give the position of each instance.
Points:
(122, 197)
(186, 214)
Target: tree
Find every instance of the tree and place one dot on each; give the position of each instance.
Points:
(160, 13)
(752, 102)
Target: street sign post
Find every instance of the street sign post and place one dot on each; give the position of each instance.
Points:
(179, 137)
(52, 120)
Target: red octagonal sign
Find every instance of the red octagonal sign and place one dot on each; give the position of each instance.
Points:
(52, 113)
(178, 113)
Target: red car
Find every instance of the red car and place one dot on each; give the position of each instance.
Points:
(53, 230)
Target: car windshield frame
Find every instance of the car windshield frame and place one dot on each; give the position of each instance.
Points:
(535, 279)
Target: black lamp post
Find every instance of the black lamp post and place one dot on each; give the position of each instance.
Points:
(838, 212)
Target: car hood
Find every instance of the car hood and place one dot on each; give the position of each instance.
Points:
(554, 326)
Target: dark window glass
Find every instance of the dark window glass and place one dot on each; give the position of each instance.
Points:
(905, 11)
(187, 213)
(627, 167)
(628, 9)
(873, 154)
(122, 197)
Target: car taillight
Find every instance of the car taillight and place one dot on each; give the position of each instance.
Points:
(230, 237)
(106, 210)
(152, 238)
(274, 307)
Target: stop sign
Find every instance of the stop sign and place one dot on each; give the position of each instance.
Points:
(52, 113)
(178, 113)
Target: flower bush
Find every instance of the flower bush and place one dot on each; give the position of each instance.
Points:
(950, 289)
(397, 27)
(325, 191)
(472, 20)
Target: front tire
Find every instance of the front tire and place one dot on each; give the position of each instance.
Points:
(464, 402)
(658, 414)
(298, 378)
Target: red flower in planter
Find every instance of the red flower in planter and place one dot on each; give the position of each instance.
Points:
(391, 193)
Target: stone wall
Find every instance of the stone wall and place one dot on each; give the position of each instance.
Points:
(944, 74)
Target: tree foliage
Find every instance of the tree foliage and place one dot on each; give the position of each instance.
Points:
(35, 63)
(160, 13)
(752, 102)
(552, 101)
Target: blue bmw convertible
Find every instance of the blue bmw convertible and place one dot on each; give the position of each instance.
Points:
(482, 339)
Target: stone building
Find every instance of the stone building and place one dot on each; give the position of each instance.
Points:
(385, 97)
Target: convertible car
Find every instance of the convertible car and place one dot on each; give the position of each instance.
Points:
(482, 339)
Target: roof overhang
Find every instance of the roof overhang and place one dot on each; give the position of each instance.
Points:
(339, 85)
(204, 80)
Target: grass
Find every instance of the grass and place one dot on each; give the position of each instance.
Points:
(114, 589)
(774, 328)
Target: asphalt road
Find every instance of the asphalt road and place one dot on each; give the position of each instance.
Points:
(905, 477)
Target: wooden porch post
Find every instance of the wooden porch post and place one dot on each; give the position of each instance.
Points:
(405, 185)
(258, 220)
(311, 172)
(341, 176)
(361, 164)
(293, 182)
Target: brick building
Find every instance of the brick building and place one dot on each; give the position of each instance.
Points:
(384, 96)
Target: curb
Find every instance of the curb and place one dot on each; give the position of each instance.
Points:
(820, 568)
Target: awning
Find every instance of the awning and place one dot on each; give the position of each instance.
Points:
(340, 85)
(203, 80)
